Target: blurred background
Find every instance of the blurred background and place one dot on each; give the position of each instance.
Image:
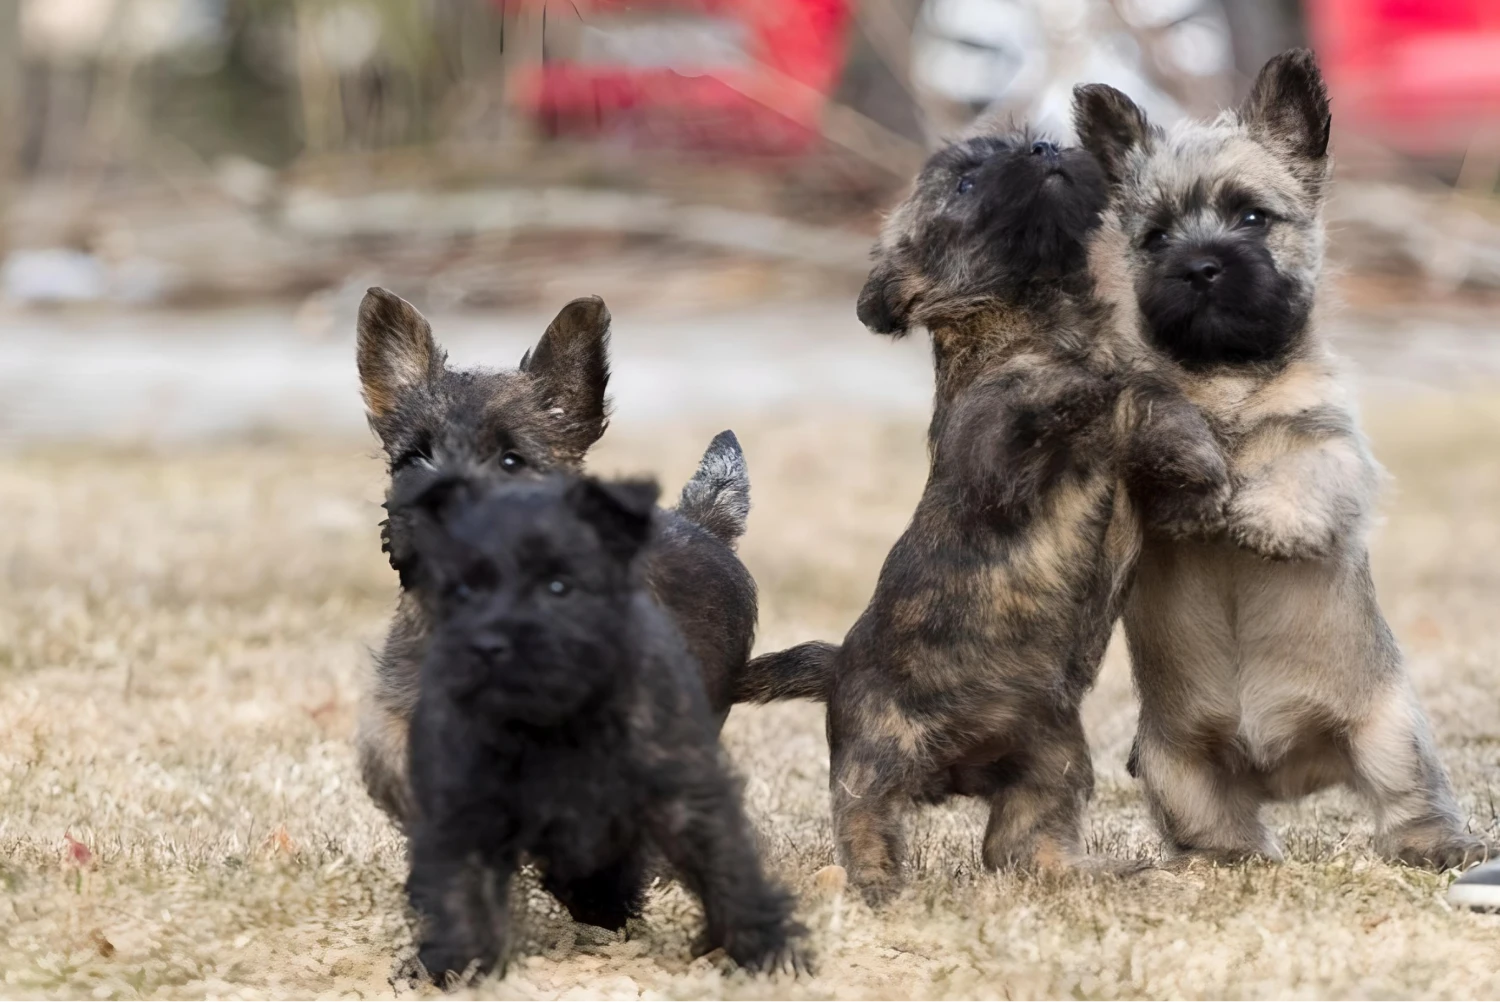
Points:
(194, 195)
(195, 192)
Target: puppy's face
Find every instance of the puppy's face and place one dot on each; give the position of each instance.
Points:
(1221, 222)
(988, 217)
(528, 585)
(541, 416)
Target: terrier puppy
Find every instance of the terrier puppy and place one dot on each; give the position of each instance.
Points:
(561, 719)
(539, 417)
(1265, 668)
(993, 610)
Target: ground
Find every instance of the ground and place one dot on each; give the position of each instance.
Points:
(184, 633)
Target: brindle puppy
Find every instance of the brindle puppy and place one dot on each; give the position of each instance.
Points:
(540, 417)
(1265, 668)
(992, 612)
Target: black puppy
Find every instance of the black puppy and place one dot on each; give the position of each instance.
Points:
(560, 718)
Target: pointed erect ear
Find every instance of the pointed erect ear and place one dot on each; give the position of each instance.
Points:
(570, 366)
(1288, 109)
(1110, 126)
(621, 512)
(882, 306)
(396, 352)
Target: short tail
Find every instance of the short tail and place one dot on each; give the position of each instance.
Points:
(718, 496)
(801, 672)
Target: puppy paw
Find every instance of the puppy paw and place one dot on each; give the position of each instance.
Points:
(1456, 852)
(1275, 543)
(1188, 511)
(1277, 530)
(877, 888)
(773, 949)
(449, 967)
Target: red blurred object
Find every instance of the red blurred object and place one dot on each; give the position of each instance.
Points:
(744, 76)
(1422, 76)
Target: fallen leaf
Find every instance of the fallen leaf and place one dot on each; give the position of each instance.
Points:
(101, 943)
(279, 843)
(78, 852)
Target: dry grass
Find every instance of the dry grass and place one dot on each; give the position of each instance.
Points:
(182, 639)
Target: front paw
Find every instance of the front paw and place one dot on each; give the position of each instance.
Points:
(449, 965)
(1453, 853)
(770, 949)
(1188, 511)
(1278, 532)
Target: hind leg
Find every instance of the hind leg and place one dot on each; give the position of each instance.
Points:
(381, 738)
(1203, 810)
(1036, 814)
(867, 802)
(607, 897)
(1396, 766)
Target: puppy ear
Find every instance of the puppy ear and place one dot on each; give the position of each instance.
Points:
(570, 366)
(1288, 109)
(621, 512)
(1109, 126)
(882, 307)
(395, 351)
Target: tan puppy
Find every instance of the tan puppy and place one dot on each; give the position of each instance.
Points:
(1265, 668)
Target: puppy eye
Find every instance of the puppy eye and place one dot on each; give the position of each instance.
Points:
(965, 183)
(1155, 240)
(559, 587)
(512, 461)
(421, 453)
(1253, 218)
(476, 578)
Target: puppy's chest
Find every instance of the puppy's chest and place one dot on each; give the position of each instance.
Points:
(1239, 400)
(571, 794)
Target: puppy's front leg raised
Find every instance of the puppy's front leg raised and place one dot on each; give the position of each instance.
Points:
(1012, 435)
(1174, 467)
(1304, 483)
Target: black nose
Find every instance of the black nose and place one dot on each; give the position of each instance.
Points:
(1204, 271)
(1042, 148)
(495, 646)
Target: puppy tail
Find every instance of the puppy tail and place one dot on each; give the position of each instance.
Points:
(718, 496)
(801, 672)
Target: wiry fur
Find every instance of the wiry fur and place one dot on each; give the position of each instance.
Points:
(992, 611)
(718, 495)
(562, 721)
(1264, 665)
(540, 417)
